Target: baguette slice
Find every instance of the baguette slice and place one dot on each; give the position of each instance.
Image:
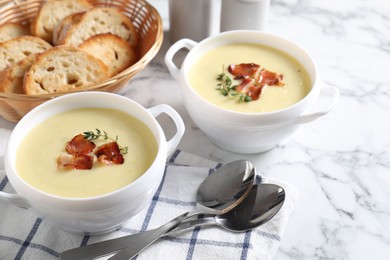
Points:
(11, 79)
(52, 12)
(17, 49)
(9, 31)
(114, 51)
(65, 24)
(97, 20)
(63, 69)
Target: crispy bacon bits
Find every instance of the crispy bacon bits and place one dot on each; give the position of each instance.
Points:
(79, 145)
(109, 154)
(244, 70)
(81, 154)
(75, 162)
(254, 78)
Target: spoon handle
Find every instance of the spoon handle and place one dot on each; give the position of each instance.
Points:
(137, 242)
(110, 246)
(146, 239)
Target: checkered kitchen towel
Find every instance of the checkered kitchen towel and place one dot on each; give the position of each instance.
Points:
(24, 236)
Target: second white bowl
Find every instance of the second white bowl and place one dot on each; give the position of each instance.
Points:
(243, 132)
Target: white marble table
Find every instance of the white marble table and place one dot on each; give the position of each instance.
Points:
(340, 163)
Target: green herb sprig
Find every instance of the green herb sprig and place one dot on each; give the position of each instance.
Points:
(91, 136)
(226, 87)
(225, 84)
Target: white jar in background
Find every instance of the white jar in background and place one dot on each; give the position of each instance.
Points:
(193, 19)
(244, 14)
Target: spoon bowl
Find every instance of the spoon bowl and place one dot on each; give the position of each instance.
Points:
(225, 188)
(261, 205)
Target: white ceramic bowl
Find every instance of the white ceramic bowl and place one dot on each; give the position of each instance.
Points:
(249, 132)
(104, 213)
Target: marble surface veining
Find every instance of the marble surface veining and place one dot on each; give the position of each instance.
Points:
(340, 163)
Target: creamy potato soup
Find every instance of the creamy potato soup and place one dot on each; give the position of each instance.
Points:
(37, 156)
(294, 82)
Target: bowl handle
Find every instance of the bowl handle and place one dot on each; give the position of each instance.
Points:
(180, 128)
(183, 43)
(14, 199)
(331, 97)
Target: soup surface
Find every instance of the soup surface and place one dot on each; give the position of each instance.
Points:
(38, 153)
(204, 72)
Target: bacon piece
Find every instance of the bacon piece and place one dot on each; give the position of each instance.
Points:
(254, 78)
(245, 84)
(244, 70)
(109, 154)
(255, 91)
(77, 162)
(271, 78)
(79, 145)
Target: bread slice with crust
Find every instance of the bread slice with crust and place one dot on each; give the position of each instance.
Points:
(114, 51)
(97, 20)
(64, 25)
(63, 69)
(18, 48)
(11, 79)
(9, 31)
(51, 13)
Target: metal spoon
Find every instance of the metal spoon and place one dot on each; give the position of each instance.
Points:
(262, 203)
(259, 203)
(219, 193)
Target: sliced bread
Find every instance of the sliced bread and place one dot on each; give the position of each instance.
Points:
(51, 13)
(9, 31)
(63, 69)
(11, 79)
(18, 48)
(98, 20)
(64, 25)
(114, 51)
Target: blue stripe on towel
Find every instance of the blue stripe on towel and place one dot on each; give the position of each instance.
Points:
(220, 243)
(30, 236)
(268, 235)
(258, 179)
(11, 239)
(195, 233)
(246, 245)
(177, 202)
(152, 206)
(31, 245)
(193, 240)
(3, 183)
(219, 165)
(207, 242)
(45, 249)
(174, 156)
(85, 240)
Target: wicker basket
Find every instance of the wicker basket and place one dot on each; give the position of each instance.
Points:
(145, 18)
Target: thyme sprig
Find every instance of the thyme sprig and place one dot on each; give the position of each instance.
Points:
(225, 84)
(226, 87)
(91, 136)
